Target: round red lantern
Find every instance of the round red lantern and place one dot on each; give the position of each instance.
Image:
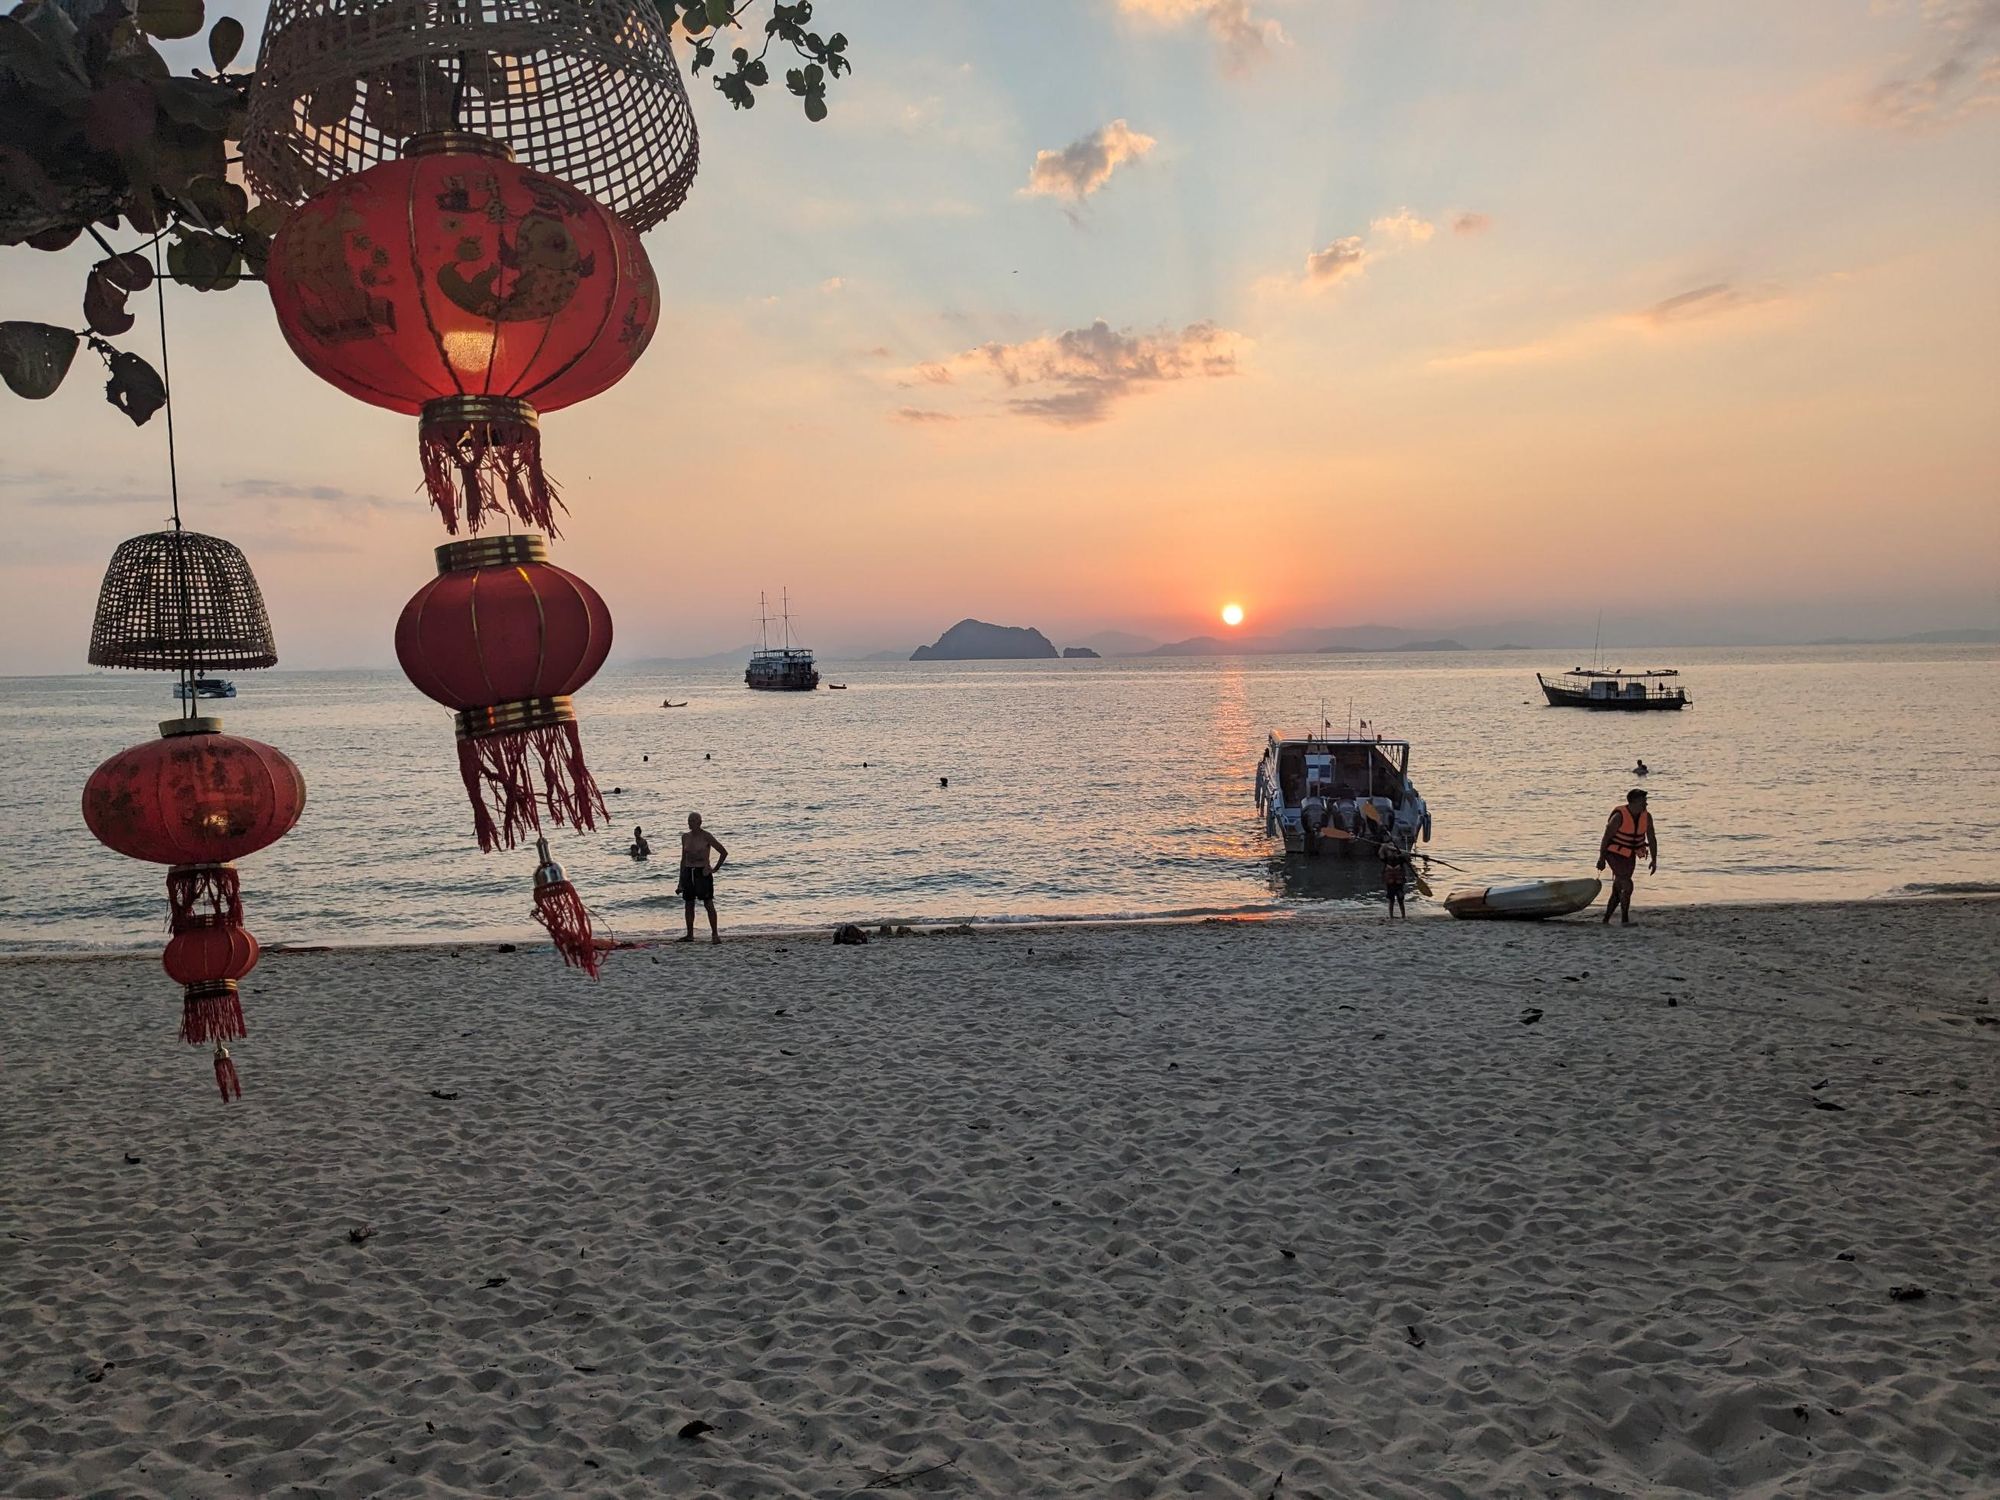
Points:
(207, 951)
(460, 286)
(195, 799)
(207, 956)
(503, 637)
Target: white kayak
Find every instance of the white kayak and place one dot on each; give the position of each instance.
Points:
(1530, 900)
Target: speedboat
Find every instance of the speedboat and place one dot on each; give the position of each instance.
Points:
(1357, 788)
(205, 687)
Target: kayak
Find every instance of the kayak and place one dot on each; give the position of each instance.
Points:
(1529, 901)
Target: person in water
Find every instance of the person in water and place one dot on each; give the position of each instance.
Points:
(697, 881)
(1640, 770)
(1395, 876)
(640, 848)
(1627, 835)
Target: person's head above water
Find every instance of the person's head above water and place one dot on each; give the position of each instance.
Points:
(694, 820)
(1635, 798)
(638, 833)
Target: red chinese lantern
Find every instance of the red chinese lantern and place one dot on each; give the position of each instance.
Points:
(459, 286)
(194, 800)
(503, 637)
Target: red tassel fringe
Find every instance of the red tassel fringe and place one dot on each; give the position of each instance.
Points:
(488, 467)
(499, 771)
(561, 910)
(203, 893)
(226, 1079)
(212, 1018)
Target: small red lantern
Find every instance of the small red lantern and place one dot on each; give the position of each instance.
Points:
(461, 286)
(561, 910)
(194, 800)
(503, 637)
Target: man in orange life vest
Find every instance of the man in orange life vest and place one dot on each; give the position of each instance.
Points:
(1628, 835)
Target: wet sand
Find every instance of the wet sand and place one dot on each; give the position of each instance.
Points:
(1292, 1209)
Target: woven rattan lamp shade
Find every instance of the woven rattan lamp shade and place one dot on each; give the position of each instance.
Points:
(584, 90)
(146, 619)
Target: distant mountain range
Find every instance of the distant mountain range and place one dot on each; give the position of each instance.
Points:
(1920, 638)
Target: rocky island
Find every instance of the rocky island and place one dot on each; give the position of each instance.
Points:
(975, 640)
(1079, 653)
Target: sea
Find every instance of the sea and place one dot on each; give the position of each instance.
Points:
(1078, 790)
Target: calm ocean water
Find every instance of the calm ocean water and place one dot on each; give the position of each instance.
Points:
(1078, 789)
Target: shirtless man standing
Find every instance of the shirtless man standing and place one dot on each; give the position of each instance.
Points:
(697, 876)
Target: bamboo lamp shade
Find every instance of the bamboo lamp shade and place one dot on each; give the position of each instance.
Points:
(584, 90)
(177, 599)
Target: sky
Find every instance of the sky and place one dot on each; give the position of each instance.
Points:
(1089, 314)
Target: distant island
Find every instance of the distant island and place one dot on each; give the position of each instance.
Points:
(1973, 637)
(975, 640)
(1079, 653)
(1443, 645)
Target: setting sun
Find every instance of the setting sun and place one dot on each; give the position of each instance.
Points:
(1232, 614)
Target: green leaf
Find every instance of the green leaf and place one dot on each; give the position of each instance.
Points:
(169, 20)
(206, 262)
(135, 387)
(721, 12)
(815, 107)
(225, 40)
(34, 357)
(111, 282)
(267, 218)
(119, 117)
(214, 203)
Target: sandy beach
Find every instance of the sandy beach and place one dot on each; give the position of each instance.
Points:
(1313, 1208)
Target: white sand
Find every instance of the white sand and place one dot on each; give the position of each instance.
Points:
(1120, 1212)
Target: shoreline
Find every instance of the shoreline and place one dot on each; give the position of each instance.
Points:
(1344, 915)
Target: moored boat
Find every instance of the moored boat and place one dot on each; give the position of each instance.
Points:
(1526, 900)
(205, 687)
(1586, 687)
(1355, 788)
(783, 668)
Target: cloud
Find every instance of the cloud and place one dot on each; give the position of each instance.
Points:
(1956, 76)
(1074, 378)
(1347, 258)
(1085, 165)
(1403, 227)
(1713, 302)
(288, 489)
(1244, 36)
(1717, 298)
(921, 415)
(1343, 258)
(1471, 223)
(833, 283)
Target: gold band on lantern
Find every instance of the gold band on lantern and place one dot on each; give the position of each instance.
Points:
(523, 716)
(492, 552)
(474, 411)
(456, 143)
(210, 989)
(205, 724)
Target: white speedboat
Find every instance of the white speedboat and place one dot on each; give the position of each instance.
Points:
(1356, 788)
(205, 687)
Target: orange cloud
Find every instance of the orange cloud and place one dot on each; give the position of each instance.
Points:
(1086, 164)
(1244, 36)
(1074, 378)
(1699, 305)
(1471, 223)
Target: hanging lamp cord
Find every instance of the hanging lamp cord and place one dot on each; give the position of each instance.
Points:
(183, 573)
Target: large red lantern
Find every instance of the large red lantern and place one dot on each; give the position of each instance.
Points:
(503, 637)
(460, 286)
(195, 800)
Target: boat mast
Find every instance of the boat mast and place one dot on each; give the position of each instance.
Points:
(763, 621)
